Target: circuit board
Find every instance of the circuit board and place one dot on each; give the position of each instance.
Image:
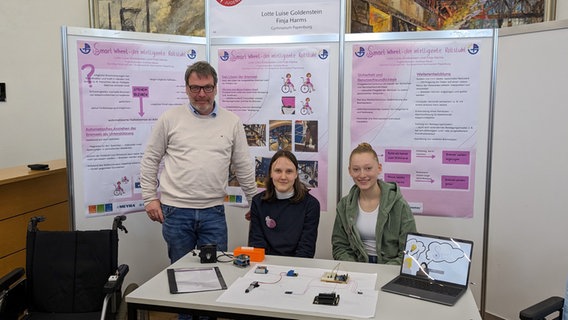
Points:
(334, 277)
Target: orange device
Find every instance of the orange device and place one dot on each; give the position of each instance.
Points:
(255, 254)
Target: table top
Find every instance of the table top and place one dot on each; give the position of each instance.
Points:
(156, 292)
(22, 172)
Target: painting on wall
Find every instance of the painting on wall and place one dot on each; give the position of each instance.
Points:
(420, 15)
(180, 17)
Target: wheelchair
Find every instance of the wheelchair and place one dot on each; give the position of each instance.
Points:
(545, 308)
(68, 275)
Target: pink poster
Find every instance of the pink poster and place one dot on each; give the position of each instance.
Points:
(281, 95)
(417, 104)
(124, 87)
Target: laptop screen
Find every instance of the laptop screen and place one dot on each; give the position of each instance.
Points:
(437, 258)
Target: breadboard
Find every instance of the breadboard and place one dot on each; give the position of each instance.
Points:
(334, 277)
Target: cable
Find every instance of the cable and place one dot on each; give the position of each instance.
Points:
(274, 282)
(336, 268)
(224, 254)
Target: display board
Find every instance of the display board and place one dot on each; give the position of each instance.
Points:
(292, 116)
(528, 217)
(280, 75)
(422, 100)
(117, 84)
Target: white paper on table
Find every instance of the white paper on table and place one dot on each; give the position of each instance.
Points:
(357, 298)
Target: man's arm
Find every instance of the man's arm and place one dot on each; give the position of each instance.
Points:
(242, 162)
(149, 167)
(154, 211)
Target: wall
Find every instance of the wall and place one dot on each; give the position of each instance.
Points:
(527, 238)
(561, 10)
(32, 118)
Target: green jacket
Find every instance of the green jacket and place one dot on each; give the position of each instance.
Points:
(394, 221)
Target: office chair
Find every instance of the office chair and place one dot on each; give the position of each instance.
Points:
(548, 307)
(542, 309)
(69, 275)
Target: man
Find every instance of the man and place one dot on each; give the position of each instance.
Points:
(197, 142)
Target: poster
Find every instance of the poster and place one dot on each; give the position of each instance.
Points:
(281, 95)
(273, 18)
(124, 87)
(417, 104)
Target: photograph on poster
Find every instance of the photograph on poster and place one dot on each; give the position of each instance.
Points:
(308, 173)
(306, 136)
(261, 170)
(233, 182)
(256, 134)
(155, 16)
(422, 15)
(280, 135)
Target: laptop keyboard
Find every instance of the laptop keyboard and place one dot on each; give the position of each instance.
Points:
(428, 286)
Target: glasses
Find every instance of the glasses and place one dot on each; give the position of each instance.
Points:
(196, 89)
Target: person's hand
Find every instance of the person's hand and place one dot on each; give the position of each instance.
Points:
(154, 211)
(247, 215)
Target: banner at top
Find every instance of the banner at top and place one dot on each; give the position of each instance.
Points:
(247, 18)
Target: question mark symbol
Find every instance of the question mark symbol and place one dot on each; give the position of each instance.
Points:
(90, 72)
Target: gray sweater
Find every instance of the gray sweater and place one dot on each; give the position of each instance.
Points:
(197, 151)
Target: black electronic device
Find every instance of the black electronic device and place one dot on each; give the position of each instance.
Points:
(253, 285)
(38, 166)
(2, 91)
(329, 299)
(208, 253)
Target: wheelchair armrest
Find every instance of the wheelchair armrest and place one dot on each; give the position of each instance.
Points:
(542, 309)
(9, 279)
(114, 282)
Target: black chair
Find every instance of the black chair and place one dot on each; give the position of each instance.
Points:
(69, 275)
(543, 309)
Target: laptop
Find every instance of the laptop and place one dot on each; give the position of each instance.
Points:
(434, 268)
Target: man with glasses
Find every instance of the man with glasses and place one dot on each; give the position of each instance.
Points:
(197, 143)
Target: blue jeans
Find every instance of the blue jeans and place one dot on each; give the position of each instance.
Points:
(185, 229)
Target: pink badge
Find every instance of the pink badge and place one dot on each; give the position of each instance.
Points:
(270, 222)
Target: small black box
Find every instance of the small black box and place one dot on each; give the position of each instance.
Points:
(208, 253)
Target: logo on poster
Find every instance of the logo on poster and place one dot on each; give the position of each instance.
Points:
(192, 54)
(225, 56)
(228, 3)
(360, 53)
(85, 49)
(473, 48)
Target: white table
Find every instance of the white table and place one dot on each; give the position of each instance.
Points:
(155, 295)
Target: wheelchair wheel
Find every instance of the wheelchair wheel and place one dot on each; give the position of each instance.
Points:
(304, 88)
(285, 88)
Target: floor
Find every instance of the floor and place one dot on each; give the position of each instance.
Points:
(162, 316)
(153, 315)
(172, 316)
(489, 316)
